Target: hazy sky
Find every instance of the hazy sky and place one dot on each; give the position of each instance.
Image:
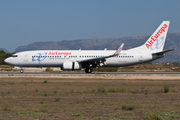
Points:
(26, 21)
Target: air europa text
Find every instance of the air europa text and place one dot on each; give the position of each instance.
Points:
(59, 53)
(155, 37)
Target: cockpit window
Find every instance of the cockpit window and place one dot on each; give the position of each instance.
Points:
(14, 56)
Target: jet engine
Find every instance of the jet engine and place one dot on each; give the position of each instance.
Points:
(71, 66)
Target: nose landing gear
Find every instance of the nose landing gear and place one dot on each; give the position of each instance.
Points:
(21, 71)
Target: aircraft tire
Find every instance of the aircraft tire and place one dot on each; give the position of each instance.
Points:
(88, 70)
(21, 71)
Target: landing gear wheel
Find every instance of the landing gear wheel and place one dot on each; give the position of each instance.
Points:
(21, 71)
(88, 70)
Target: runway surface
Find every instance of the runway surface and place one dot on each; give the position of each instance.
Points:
(89, 74)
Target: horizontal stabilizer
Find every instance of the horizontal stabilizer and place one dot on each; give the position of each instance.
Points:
(160, 53)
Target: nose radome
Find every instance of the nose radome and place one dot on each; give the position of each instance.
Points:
(7, 60)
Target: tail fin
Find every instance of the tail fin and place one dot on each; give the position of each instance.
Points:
(156, 41)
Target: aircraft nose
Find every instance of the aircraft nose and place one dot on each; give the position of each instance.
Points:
(7, 60)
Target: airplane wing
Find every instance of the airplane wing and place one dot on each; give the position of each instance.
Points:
(101, 59)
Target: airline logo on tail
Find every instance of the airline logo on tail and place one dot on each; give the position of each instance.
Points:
(158, 44)
(156, 36)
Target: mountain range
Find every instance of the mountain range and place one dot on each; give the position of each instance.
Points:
(172, 42)
(4, 50)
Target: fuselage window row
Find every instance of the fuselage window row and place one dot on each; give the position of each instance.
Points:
(79, 56)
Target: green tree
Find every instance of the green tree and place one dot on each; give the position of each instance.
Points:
(3, 56)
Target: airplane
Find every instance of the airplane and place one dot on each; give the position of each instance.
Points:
(151, 50)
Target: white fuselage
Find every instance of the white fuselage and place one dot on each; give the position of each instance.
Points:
(55, 58)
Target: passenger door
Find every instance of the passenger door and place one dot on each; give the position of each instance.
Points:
(25, 57)
(140, 56)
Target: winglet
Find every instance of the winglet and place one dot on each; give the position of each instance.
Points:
(119, 49)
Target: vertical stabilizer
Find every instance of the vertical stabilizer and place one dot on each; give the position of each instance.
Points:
(156, 41)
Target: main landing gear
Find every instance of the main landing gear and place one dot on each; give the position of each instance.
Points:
(21, 71)
(88, 70)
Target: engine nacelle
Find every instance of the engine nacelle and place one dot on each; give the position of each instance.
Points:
(71, 66)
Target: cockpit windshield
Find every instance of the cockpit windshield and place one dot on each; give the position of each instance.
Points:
(14, 56)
